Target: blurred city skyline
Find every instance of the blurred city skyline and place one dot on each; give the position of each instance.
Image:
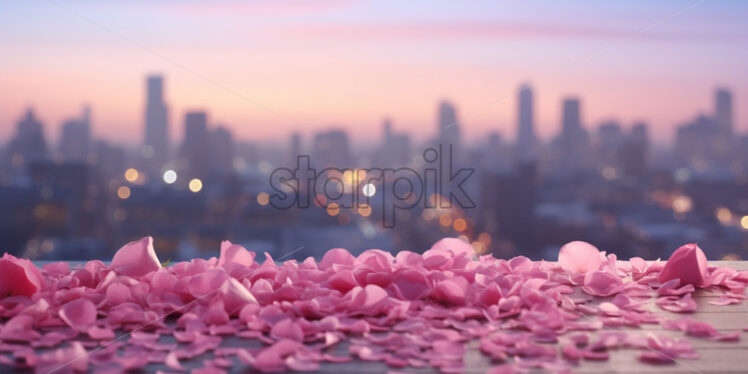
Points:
(350, 64)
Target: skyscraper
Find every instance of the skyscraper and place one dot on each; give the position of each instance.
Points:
(449, 129)
(156, 142)
(723, 111)
(195, 147)
(570, 121)
(635, 151)
(573, 141)
(331, 149)
(221, 150)
(525, 126)
(29, 144)
(610, 138)
(295, 148)
(395, 150)
(75, 140)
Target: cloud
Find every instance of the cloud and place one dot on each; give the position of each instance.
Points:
(234, 7)
(482, 30)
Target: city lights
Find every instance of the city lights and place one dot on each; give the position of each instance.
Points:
(263, 198)
(369, 190)
(170, 176)
(131, 175)
(459, 225)
(123, 192)
(195, 185)
(723, 215)
(333, 209)
(744, 222)
(682, 204)
(445, 220)
(364, 210)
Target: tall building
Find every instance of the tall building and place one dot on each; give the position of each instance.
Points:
(28, 145)
(449, 128)
(693, 141)
(75, 140)
(295, 148)
(331, 149)
(573, 141)
(196, 145)
(525, 126)
(571, 122)
(395, 149)
(156, 142)
(723, 111)
(221, 150)
(634, 154)
(610, 138)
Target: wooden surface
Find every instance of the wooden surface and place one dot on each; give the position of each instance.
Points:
(715, 357)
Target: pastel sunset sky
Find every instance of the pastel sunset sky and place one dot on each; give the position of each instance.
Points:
(267, 68)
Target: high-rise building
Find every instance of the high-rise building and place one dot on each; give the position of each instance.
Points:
(449, 128)
(395, 150)
(195, 147)
(634, 154)
(75, 140)
(525, 126)
(295, 148)
(221, 150)
(573, 141)
(28, 145)
(723, 111)
(692, 141)
(156, 142)
(571, 122)
(331, 149)
(610, 138)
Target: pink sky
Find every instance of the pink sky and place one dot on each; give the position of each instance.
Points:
(351, 63)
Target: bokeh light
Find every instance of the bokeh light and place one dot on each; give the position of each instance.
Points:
(263, 198)
(131, 175)
(170, 176)
(369, 190)
(364, 210)
(459, 225)
(195, 185)
(333, 209)
(123, 192)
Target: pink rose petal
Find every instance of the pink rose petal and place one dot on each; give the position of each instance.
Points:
(18, 276)
(687, 263)
(79, 313)
(234, 253)
(337, 256)
(602, 283)
(287, 329)
(173, 362)
(579, 257)
(136, 258)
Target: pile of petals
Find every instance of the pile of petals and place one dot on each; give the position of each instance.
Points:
(407, 310)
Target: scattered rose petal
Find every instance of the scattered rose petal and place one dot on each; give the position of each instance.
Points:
(79, 313)
(602, 283)
(579, 257)
(19, 276)
(408, 311)
(687, 263)
(136, 258)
